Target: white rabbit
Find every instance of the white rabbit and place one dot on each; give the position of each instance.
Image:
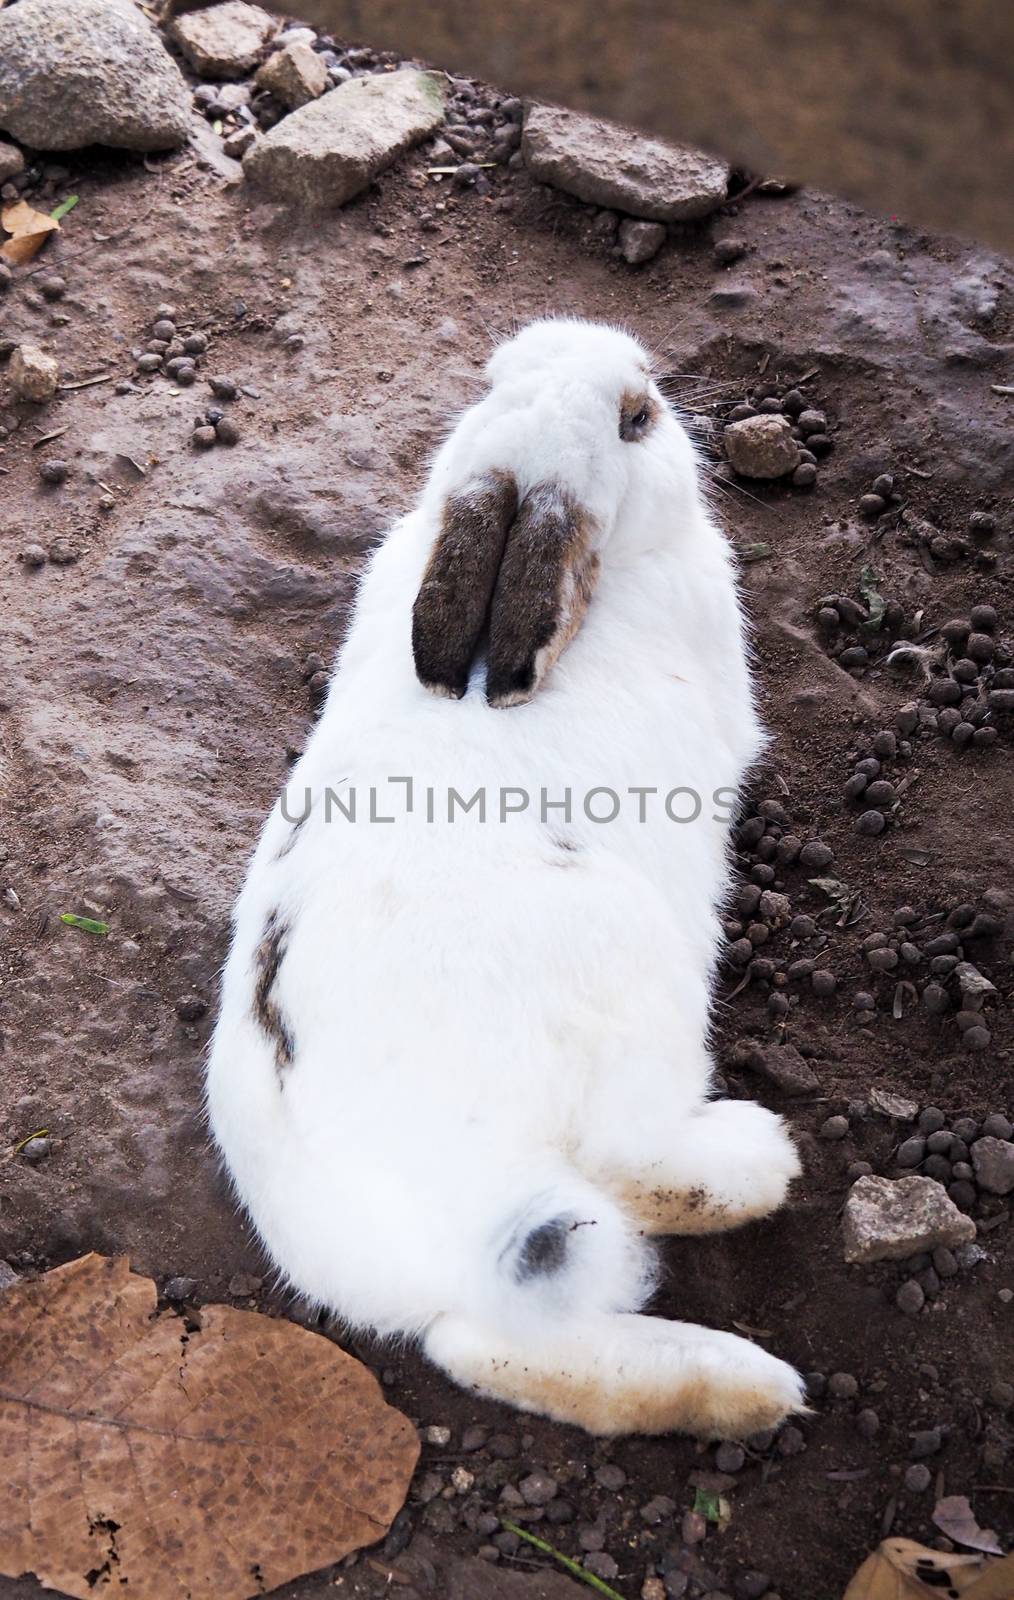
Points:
(461, 1069)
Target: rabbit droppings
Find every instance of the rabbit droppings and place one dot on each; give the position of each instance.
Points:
(461, 1069)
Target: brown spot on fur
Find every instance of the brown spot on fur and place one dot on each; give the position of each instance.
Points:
(267, 962)
(542, 592)
(709, 1407)
(293, 834)
(662, 1209)
(453, 600)
(638, 415)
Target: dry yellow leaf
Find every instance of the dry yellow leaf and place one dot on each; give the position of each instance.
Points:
(218, 1463)
(901, 1569)
(30, 228)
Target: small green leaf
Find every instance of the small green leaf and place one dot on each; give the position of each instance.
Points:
(708, 1504)
(875, 603)
(755, 552)
(64, 206)
(86, 924)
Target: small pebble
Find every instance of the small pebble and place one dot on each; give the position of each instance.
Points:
(177, 1289)
(726, 251)
(203, 438)
(437, 1434)
(834, 1128)
(910, 1298)
(33, 555)
(815, 855)
(925, 1443)
(538, 1489)
(37, 1149)
(730, 1457)
(791, 1441)
(843, 1386)
(657, 1510)
(805, 476)
(610, 1477)
(227, 431)
(751, 1585)
(868, 1423)
(872, 505)
(918, 1478)
(602, 1565)
(870, 823)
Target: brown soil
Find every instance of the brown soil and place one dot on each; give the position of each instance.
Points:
(150, 690)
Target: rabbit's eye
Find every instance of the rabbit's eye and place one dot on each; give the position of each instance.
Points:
(637, 413)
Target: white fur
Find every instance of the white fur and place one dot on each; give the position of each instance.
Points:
(491, 1032)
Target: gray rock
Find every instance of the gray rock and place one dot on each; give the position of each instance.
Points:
(783, 1066)
(8, 1277)
(607, 165)
(12, 162)
(34, 375)
(889, 1219)
(973, 982)
(762, 447)
(295, 75)
(326, 152)
(224, 41)
(80, 72)
(237, 144)
(640, 241)
(993, 1160)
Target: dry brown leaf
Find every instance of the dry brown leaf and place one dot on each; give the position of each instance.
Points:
(954, 1516)
(30, 228)
(996, 1583)
(897, 1569)
(219, 1463)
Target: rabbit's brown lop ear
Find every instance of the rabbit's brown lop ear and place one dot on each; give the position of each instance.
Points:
(545, 583)
(453, 601)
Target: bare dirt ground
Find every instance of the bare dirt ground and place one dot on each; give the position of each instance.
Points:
(154, 686)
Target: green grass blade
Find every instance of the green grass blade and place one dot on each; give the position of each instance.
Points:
(565, 1561)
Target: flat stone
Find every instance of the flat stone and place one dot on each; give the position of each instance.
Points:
(224, 41)
(889, 1219)
(81, 72)
(640, 241)
(762, 447)
(783, 1066)
(295, 75)
(894, 1106)
(993, 1162)
(328, 151)
(607, 165)
(34, 375)
(973, 982)
(12, 162)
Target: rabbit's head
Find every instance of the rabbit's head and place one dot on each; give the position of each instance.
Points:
(572, 458)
